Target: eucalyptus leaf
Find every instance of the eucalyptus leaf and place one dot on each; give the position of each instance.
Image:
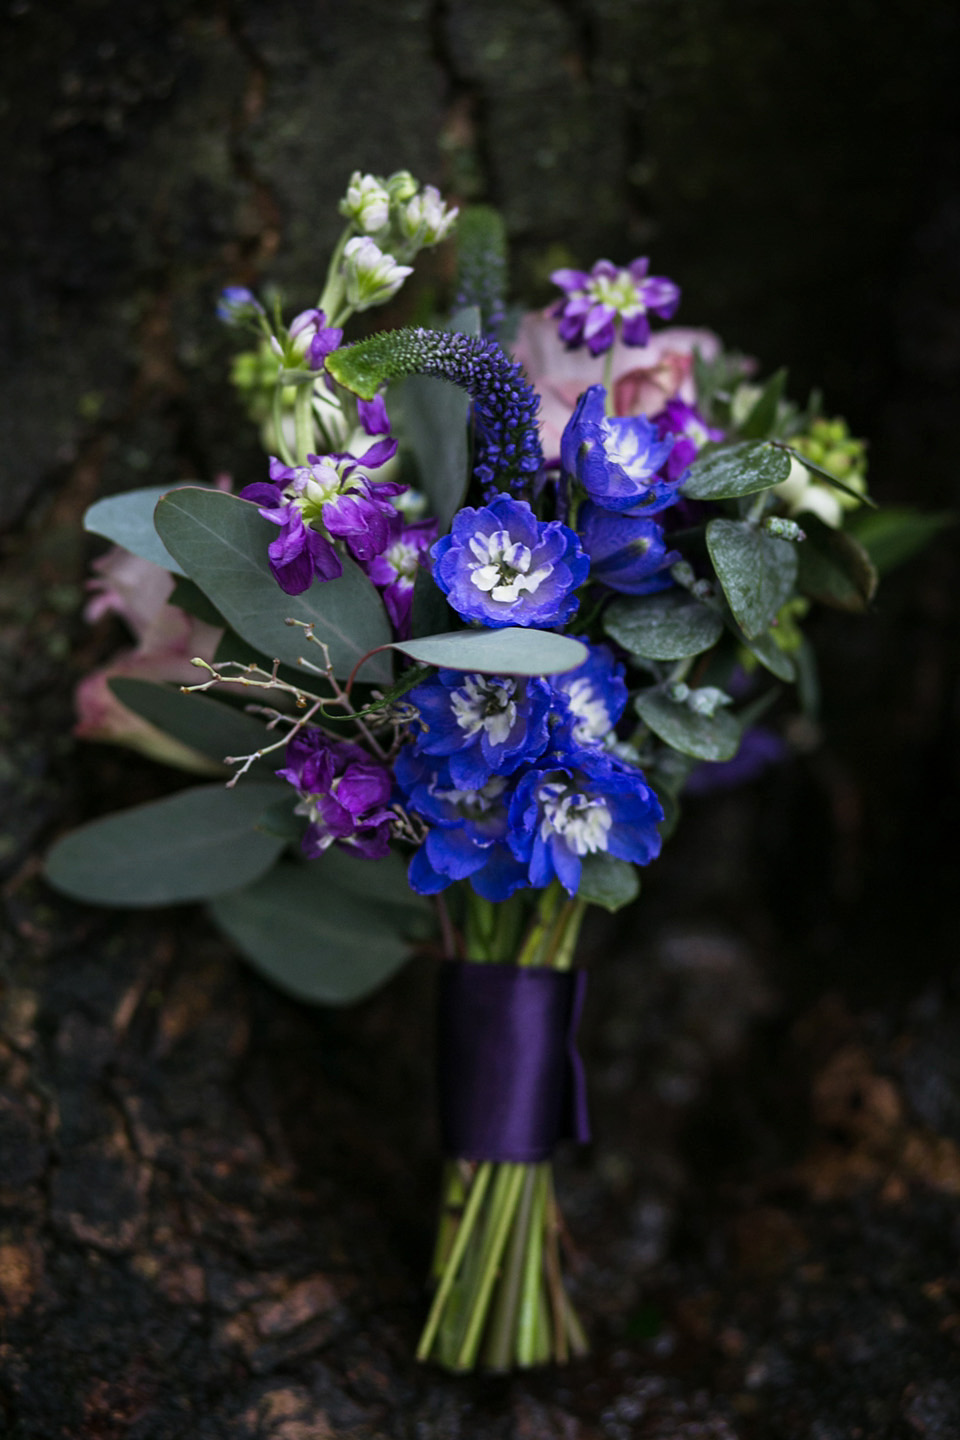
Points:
(762, 420)
(189, 597)
(834, 567)
(757, 571)
(765, 648)
(714, 737)
(896, 533)
(188, 846)
(127, 520)
(511, 651)
(207, 725)
(221, 543)
(317, 942)
(734, 470)
(608, 881)
(667, 626)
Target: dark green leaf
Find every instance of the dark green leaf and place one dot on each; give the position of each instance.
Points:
(834, 567)
(431, 613)
(734, 470)
(127, 520)
(768, 652)
(189, 597)
(715, 737)
(896, 533)
(511, 651)
(189, 846)
(207, 725)
(314, 940)
(607, 881)
(221, 543)
(762, 419)
(668, 626)
(756, 570)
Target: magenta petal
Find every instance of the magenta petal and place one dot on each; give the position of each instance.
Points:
(379, 454)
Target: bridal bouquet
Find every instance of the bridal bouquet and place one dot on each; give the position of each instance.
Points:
(445, 666)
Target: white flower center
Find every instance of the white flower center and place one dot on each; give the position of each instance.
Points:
(593, 721)
(485, 704)
(624, 448)
(474, 802)
(312, 487)
(503, 569)
(404, 558)
(582, 822)
(618, 291)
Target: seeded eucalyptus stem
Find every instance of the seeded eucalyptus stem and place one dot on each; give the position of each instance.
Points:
(500, 1299)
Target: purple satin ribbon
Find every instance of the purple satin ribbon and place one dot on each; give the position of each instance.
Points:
(511, 1081)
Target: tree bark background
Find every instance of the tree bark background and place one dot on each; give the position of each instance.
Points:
(216, 1205)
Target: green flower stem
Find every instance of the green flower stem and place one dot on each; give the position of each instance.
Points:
(498, 1351)
(529, 1320)
(283, 448)
(331, 302)
(303, 423)
(505, 1200)
(477, 1191)
(608, 381)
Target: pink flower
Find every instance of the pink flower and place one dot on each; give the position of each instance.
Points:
(644, 377)
(167, 640)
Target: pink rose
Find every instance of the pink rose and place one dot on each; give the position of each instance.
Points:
(645, 377)
(167, 640)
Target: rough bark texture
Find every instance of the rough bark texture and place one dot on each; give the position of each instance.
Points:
(215, 1205)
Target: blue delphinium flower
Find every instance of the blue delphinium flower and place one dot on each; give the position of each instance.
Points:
(628, 553)
(500, 566)
(594, 695)
(484, 724)
(343, 793)
(594, 300)
(690, 433)
(616, 459)
(467, 835)
(576, 802)
(328, 498)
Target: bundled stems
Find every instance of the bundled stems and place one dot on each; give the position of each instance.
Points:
(500, 1299)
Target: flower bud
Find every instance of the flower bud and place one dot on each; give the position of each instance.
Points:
(366, 202)
(425, 219)
(372, 277)
(401, 186)
(237, 304)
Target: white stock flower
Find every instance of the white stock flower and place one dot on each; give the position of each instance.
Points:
(372, 277)
(425, 219)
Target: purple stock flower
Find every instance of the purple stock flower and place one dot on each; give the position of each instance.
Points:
(373, 415)
(343, 793)
(690, 433)
(313, 338)
(581, 802)
(616, 459)
(328, 497)
(594, 695)
(484, 724)
(467, 834)
(595, 299)
(628, 553)
(500, 566)
(395, 571)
